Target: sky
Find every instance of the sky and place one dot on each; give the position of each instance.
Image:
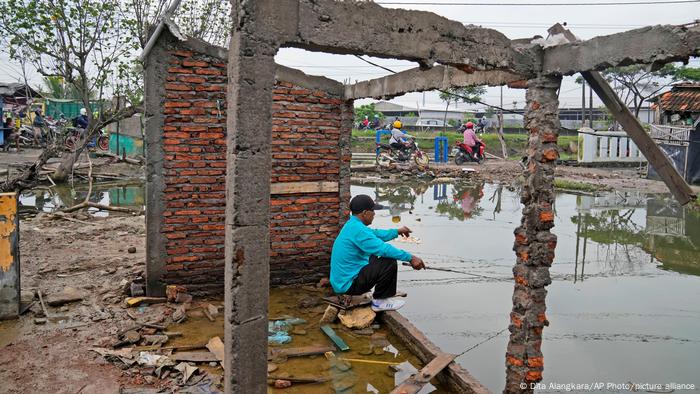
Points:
(515, 21)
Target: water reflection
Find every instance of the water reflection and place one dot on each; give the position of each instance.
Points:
(62, 196)
(625, 281)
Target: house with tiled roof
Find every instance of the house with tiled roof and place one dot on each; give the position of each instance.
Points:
(679, 106)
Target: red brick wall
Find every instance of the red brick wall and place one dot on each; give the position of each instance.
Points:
(307, 141)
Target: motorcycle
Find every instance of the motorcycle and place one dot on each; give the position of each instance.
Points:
(388, 155)
(464, 153)
(73, 135)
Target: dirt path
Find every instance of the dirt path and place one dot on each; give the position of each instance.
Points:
(54, 357)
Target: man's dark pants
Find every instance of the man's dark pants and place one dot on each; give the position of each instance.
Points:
(380, 273)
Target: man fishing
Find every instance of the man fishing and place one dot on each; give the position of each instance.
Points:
(361, 259)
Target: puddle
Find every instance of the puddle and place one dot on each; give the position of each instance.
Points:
(372, 376)
(625, 280)
(111, 194)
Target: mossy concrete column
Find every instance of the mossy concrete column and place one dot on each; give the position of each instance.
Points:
(534, 243)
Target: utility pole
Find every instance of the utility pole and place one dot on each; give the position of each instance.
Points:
(590, 106)
(583, 103)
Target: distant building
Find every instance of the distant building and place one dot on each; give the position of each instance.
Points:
(679, 106)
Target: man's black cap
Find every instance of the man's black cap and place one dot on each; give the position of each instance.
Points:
(363, 202)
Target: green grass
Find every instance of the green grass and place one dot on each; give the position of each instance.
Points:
(363, 141)
(565, 184)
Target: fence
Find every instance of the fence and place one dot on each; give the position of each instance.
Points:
(607, 146)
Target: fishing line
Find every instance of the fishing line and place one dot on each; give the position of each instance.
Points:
(458, 272)
(482, 342)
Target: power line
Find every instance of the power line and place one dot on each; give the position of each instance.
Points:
(613, 3)
(444, 91)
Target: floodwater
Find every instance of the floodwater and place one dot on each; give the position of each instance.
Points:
(623, 305)
(128, 195)
(376, 363)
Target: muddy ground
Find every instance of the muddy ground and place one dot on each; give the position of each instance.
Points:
(98, 257)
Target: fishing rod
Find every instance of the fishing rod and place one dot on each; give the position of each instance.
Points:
(456, 272)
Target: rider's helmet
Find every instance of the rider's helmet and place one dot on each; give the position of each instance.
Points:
(469, 125)
(395, 219)
(83, 111)
(397, 124)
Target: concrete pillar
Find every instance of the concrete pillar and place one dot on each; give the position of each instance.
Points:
(9, 257)
(534, 243)
(251, 78)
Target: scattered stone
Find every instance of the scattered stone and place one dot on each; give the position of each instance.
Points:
(366, 351)
(182, 298)
(309, 302)
(323, 283)
(148, 331)
(213, 311)
(131, 336)
(65, 296)
(40, 320)
(64, 309)
(282, 384)
(329, 315)
(180, 314)
(271, 367)
(378, 351)
(132, 249)
(359, 318)
(365, 331)
(172, 290)
(298, 331)
(155, 339)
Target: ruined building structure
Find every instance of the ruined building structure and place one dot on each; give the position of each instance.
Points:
(248, 162)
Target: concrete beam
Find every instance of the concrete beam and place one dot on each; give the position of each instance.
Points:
(354, 27)
(251, 78)
(417, 80)
(648, 45)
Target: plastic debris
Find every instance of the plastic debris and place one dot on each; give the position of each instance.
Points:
(187, 371)
(279, 338)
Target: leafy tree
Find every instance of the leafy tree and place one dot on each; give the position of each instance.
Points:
(57, 88)
(685, 73)
(367, 110)
(468, 94)
(84, 42)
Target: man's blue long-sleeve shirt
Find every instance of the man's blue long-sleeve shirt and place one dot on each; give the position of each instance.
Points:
(353, 247)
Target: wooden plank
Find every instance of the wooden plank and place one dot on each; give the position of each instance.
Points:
(415, 382)
(304, 187)
(216, 346)
(197, 357)
(299, 351)
(655, 156)
(338, 341)
(347, 302)
(455, 377)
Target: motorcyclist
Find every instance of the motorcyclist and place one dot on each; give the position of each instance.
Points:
(375, 122)
(82, 120)
(481, 125)
(470, 138)
(365, 123)
(38, 125)
(398, 138)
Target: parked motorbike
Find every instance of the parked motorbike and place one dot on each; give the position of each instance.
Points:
(464, 153)
(410, 152)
